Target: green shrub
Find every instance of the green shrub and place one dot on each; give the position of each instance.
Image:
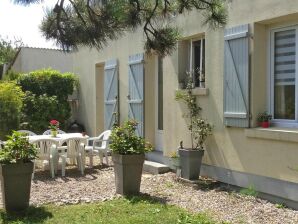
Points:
(39, 110)
(47, 92)
(50, 82)
(11, 97)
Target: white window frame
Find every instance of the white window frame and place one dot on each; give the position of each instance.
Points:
(191, 56)
(282, 122)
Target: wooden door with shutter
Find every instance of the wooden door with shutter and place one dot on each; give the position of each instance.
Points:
(236, 76)
(110, 94)
(135, 96)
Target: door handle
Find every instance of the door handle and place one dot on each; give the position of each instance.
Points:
(128, 97)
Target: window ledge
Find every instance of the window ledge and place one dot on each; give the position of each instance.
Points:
(273, 133)
(198, 91)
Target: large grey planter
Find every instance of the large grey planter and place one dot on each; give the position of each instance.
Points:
(128, 173)
(16, 185)
(190, 163)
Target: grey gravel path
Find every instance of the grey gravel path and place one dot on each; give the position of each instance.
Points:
(98, 185)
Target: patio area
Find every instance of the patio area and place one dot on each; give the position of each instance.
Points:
(98, 185)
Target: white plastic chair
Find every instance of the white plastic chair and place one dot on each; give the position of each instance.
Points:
(100, 147)
(75, 150)
(48, 132)
(47, 150)
(29, 133)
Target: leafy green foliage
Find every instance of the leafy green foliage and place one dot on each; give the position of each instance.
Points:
(46, 97)
(38, 110)
(94, 24)
(8, 50)
(250, 191)
(17, 149)
(11, 75)
(11, 97)
(125, 211)
(199, 128)
(125, 141)
(264, 117)
(50, 82)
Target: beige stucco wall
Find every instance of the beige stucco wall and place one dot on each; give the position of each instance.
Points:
(30, 59)
(227, 147)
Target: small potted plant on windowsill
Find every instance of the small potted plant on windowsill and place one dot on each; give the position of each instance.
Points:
(199, 129)
(128, 155)
(16, 168)
(264, 119)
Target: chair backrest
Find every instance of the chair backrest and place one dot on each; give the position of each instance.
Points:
(75, 145)
(29, 133)
(48, 132)
(44, 147)
(105, 136)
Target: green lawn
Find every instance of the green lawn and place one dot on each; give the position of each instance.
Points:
(134, 210)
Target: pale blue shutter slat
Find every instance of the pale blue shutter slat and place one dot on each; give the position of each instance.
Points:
(136, 91)
(110, 93)
(236, 76)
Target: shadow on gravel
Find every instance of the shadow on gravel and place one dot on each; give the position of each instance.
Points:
(32, 215)
(71, 173)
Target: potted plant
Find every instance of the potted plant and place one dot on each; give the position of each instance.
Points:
(54, 126)
(128, 155)
(199, 129)
(16, 168)
(264, 119)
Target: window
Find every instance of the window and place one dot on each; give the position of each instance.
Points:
(283, 64)
(191, 55)
(197, 61)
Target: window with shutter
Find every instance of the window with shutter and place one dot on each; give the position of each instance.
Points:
(283, 91)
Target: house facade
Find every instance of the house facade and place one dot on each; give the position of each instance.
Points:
(246, 68)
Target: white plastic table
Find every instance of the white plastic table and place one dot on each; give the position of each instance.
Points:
(60, 138)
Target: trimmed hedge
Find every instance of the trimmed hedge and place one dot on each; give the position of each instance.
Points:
(50, 82)
(11, 102)
(46, 97)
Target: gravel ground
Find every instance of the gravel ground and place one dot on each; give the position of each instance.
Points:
(98, 185)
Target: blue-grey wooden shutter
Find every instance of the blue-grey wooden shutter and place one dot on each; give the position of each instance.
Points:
(110, 93)
(236, 76)
(136, 91)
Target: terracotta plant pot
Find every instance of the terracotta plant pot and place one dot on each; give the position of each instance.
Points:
(16, 185)
(265, 124)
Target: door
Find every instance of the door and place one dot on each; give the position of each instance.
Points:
(159, 104)
(110, 94)
(135, 95)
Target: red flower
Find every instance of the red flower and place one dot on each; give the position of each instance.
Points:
(54, 125)
(54, 122)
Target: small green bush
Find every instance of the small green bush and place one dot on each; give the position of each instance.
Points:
(11, 102)
(39, 110)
